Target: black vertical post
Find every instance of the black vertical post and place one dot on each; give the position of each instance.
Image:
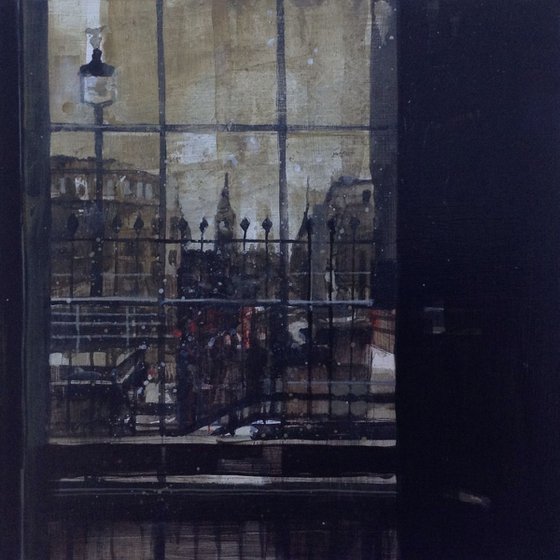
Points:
(203, 225)
(162, 467)
(98, 118)
(354, 223)
(157, 225)
(184, 230)
(68, 388)
(218, 538)
(267, 225)
(281, 107)
(72, 226)
(244, 226)
(116, 226)
(281, 533)
(383, 127)
(90, 427)
(201, 350)
(96, 288)
(138, 227)
(281, 323)
(11, 265)
(309, 227)
(331, 224)
(184, 388)
(263, 538)
(162, 213)
(159, 536)
(35, 167)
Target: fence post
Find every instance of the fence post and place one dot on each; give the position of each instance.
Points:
(309, 228)
(331, 224)
(138, 227)
(116, 226)
(72, 226)
(354, 223)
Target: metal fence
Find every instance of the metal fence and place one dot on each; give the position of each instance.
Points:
(222, 330)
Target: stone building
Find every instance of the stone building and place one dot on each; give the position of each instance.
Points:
(128, 218)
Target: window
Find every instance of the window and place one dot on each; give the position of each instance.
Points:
(222, 253)
(221, 118)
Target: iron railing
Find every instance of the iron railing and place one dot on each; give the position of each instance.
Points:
(235, 332)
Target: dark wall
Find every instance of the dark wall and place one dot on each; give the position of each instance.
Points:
(478, 236)
(10, 284)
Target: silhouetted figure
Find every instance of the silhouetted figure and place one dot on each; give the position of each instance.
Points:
(232, 424)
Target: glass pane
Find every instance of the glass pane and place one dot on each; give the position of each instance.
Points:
(316, 161)
(221, 61)
(108, 376)
(198, 164)
(129, 189)
(327, 62)
(128, 43)
(190, 62)
(131, 46)
(72, 194)
(175, 303)
(74, 145)
(68, 50)
(105, 245)
(132, 151)
(334, 260)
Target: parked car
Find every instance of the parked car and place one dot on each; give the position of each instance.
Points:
(266, 429)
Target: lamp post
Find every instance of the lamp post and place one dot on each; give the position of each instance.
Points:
(97, 89)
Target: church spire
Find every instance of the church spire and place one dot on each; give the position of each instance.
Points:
(225, 216)
(303, 227)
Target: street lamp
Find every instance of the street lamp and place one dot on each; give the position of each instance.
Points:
(97, 81)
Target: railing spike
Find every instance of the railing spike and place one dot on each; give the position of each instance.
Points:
(138, 224)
